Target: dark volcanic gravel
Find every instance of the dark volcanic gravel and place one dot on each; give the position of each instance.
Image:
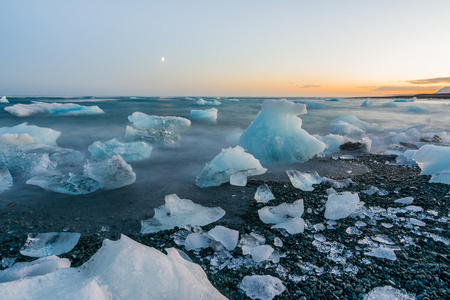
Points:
(421, 267)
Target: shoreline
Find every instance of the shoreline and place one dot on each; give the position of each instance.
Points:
(421, 267)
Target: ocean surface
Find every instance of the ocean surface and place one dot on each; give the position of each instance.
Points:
(173, 169)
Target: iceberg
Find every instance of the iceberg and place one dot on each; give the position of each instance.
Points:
(276, 136)
(281, 213)
(72, 184)
(51, 243)
(263, 194)
(227, 237)
(362, 125)
(130, 152)
(122, 269)
(388, 293)
(227, 163)
(264, 287)
(111, 173)
(64, 109)
(367, 103)
(180, 212)
(339, 206)
(4, 100)
(207, 115)
(303, 181)
(155, 129)
(38, 267)
(6, 180)
(40, 135)
(434, 160)
(203, 102)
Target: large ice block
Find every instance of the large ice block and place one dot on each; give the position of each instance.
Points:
(64, 109)
(141, 120)
(111, 173)
(40, 135)
(207, 115)
(50, 243)
(227, 163)
(276, 136)
(435, 161)
(130, 152)
(180, 212)
(339, 206)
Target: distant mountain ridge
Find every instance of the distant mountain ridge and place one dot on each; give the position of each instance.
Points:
(445, 90)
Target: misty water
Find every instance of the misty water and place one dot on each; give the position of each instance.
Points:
(173, 169)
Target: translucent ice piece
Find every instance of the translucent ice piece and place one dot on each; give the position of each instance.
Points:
(303, 181)
(388, 293)
(261, 253)
(292, 226)
(130, 152)
(195, 241)
(340, 206)
(228, 237)
(180, 212)
(51, 243)
(382, 252)
(72, 184)
(111, 173)
(281, 213)
(263, 194)
(264, 287)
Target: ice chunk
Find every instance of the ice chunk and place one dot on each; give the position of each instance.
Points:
(277, 242)
(374, 190)
(228, 237)
(406, 200)
(264, 287)
(303, 181)
(367, 103)
(239, 178)
(38, 267)
(383, 239)
(203, 102)
(339, 206)
(207, 115)
(15, 139)
(414, 110)
(388, 293)
(6, 180)
(281, 213)
(64, 109)
(129, 270)
(39, 135)
(344, 128)
(432, 159)
(292, 226)
(195, 241)
(228, 162)
(337, 184)
(18, 161)
(72, 184)
(249, 241)
(51, 243)
(111, 173)
(332, 142)
(362, 125)
(382, 252)
(155, 129)
(130, 152)
(416, 222)
(263, 194)
(277, 137)
(4, 100)
(261, 253)
(180, 212)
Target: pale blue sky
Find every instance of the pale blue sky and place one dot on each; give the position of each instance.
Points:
(241, 48)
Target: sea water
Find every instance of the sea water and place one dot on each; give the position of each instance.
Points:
(174, 169)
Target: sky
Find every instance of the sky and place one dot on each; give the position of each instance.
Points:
(295, 48)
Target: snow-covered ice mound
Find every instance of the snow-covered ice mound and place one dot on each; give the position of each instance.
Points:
(339, 206)
(180, 212)
(111, 173)
(434, 161)
(228, 163)
(155, 129)
(61, 109)
(122, 269)
(50, 243)
(277, 137)
(264, 287)
(207, 115)
(130, 152)
(40, 135)
(71, 184)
